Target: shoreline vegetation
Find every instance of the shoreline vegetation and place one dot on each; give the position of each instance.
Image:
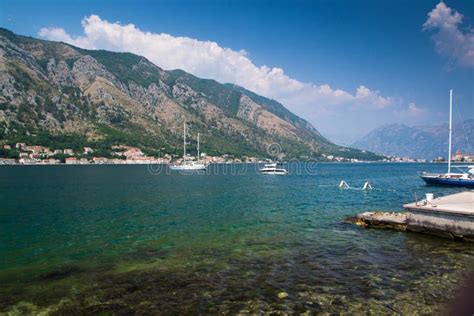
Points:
(13, 162)
(23, 154)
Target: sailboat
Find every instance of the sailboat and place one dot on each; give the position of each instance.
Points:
(188, 165)
(459, 179)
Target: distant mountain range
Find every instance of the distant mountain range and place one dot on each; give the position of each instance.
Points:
(57, 95)
(425, 142)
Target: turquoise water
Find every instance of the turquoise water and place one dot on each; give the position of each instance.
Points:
(130, 239)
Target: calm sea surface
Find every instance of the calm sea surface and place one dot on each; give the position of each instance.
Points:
(124, 239)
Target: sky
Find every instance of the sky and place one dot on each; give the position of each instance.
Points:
(345, 66)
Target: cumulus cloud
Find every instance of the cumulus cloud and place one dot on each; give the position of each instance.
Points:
(208, 59)
(55, 34)
(450, 40)
(368, 96)
(411, 112)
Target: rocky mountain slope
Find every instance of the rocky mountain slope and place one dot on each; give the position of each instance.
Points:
(53, 93)
(426, 142)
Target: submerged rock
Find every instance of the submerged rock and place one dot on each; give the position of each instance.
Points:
(392, 220)
(60, 273)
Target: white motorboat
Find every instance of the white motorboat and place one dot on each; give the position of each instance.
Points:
(187, 165)
(274, 169)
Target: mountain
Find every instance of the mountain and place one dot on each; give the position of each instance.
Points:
(426, 142)
(55, 94)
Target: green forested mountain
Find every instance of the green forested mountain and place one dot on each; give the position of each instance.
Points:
(56, 94)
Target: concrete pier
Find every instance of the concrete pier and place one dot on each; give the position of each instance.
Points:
(450, 216)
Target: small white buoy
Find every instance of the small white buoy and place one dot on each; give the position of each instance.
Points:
(343, 185)
(367, 186)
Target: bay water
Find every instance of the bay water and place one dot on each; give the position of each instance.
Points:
(127, 239)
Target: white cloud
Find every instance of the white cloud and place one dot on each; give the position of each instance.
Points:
(450, 41)
(208, 59)
(411, 112)
(365, 95)
(55, 34)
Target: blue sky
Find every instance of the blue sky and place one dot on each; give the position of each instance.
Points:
(346, 66)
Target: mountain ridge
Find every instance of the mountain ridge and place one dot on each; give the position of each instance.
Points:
(423, 142)
(103, 98)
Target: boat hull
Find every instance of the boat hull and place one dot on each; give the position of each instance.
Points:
(274, 172)
(448, 181)
(196, 167)
(272, 169)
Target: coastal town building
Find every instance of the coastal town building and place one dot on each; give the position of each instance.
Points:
(459, 156)
(128, 151)
(36, 149)
(71, 161)
(7, 161)
(99, 160)
(140, 160)
(50, 161)
(28, 161)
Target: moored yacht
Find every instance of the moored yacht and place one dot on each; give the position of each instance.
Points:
(188, 165)
(459, 179)
(273, 168)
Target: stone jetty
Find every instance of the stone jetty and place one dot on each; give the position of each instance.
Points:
(449, 216)
(390, 220)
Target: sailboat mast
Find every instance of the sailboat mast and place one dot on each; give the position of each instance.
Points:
(450, 128)
(198, 148)
(184, 141)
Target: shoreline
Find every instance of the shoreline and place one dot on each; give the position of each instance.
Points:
(218, 163)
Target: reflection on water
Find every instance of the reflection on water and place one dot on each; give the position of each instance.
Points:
(119, 238)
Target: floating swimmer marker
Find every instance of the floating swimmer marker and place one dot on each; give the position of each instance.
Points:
(344, 186)
(367, 186)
